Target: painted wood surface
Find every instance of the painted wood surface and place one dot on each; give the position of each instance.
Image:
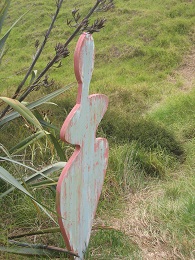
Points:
(80, 183)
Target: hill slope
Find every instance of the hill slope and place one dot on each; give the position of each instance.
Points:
(144, 63)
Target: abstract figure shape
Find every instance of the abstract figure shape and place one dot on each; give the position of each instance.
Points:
(80, 183)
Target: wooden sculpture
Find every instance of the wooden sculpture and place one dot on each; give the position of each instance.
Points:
(80, 183)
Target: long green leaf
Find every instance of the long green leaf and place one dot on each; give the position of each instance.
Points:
(30, 139)
(43, 122)
(29, 251)
(49, 125)
(35, 249)
(16, 162)
(33, 75)
(46, 171)
(56, 230)
(36, 232)
(50, 96)
(3, 13)
(27, 141)
(23, 111)
(36, 103)
(4, 38)
(39, 174)
(58, 148)
(45, 183)
(7, 177)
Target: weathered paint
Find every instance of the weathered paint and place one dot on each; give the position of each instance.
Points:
(80, 184)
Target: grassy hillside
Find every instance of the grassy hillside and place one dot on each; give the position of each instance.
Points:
(144, 63)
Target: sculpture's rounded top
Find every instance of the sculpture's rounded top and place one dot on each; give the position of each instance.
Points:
(84, 58)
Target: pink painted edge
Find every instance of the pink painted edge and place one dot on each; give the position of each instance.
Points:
(67, 121)
(58, 190)
(106, 165)
(73, 111)
(77, 54)
(77, 70)
(105, 108)
(78, 63)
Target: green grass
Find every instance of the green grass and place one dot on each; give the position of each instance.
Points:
(177, 112)
(174, 210)
(141, 46)
(150, 122)
(115, 244)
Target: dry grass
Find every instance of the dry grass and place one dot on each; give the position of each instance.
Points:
(184, 76)
(144, 228)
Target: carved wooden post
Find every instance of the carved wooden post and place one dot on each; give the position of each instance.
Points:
(80, 183)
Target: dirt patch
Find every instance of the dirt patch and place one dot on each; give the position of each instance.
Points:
(143, 228)
(185, 74)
